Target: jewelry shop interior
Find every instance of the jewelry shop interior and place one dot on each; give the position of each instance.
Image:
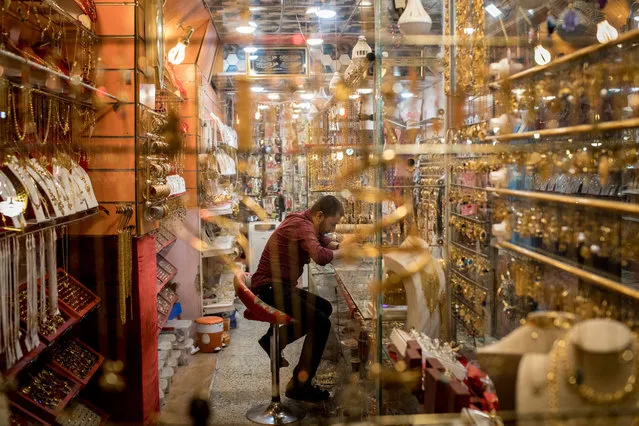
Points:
(484, 153)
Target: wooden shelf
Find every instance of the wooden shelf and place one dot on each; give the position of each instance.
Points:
(578, 54)
(565, 131)
(596, 279)
(617, 206)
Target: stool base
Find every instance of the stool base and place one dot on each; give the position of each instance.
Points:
(275, 413)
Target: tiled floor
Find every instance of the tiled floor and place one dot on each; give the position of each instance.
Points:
(193, 380)
(243, 377)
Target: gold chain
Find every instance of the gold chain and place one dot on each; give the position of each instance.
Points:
(588, 392)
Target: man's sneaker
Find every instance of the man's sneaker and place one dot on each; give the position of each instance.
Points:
(265, 343)
(307, 393)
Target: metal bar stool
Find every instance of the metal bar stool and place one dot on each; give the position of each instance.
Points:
(275, 412)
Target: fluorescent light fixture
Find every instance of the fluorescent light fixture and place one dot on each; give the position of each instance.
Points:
(364, 91)
(493, 10)
(307, 96)
(256, 8)
(257, 89)
(407, 95)
(250, 49)
(253, 57)
(312, 10)
(314, 41)
(274, 96)
(325, 13)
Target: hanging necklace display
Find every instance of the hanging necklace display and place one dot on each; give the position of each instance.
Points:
(42, 302)
(27, 183)
(14, 282)
(49, 190)
(5, 305)
(52, 264)
(11, 201)
(32, 339)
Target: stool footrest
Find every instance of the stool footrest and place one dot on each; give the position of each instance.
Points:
(275, 413)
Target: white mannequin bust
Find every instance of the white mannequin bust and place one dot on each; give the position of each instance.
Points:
(419, 316)
(599, 354)
(501, 359)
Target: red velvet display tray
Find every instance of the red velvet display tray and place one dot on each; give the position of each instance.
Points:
(24, 417)
(88, 307)
(59, 368)
(40, 410)
(69, 320)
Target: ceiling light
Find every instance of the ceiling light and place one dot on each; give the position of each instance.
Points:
(256, 8)
(325, 13)
(307, 96)
(246, 27)
(350, 151)
(542, 56)
(366, 3)
(606, 32)
(364, 91)
(314, 41)
(250, 49)
(257, 89)
(407, 95)
(274, 96)
(493, 10)
(312, 10)
(415, 20)
(178, 53)
(258, 116)
(354, 96)
(253, 57)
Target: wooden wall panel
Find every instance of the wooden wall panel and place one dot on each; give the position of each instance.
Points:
(113, 153)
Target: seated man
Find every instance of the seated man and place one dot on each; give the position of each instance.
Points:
(299, 238)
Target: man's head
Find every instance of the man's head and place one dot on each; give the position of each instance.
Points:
(326, 213)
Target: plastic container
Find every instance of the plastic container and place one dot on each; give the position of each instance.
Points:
(184, 345)
(180, 328)
(209, 333)
(165, 346)
(167, 337)
(185, 357)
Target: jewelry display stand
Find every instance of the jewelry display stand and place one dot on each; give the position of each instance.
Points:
(593, 367)
(501, 359)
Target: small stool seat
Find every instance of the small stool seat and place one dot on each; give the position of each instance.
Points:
(275, 412)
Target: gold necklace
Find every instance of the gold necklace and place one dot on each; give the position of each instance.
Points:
(589, 393)
(13, 111)
(24, 181)
(57, 197)
(551, 377)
